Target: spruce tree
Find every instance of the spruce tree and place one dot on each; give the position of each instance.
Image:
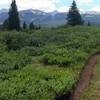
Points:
(74, 17)
(5, 25)
(31, 26)
(89, 24)
(24, 25)
(39, 27)
(13, 18)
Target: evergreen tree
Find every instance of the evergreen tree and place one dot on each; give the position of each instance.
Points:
(24, 25)
(89, 24)
(31, 26)
(74, 17)
(13, 19)
(39, 27)
(5, 25)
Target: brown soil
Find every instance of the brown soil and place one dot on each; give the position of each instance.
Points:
(85, 77)
(83, 83)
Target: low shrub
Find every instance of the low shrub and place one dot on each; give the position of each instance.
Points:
(15, 40)
(13, 60)
(50, 59)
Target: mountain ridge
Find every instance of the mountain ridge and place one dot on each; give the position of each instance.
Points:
(51, 19)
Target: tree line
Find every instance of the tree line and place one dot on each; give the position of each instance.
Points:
(13, 21)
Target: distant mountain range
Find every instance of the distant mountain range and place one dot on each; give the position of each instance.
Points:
(51, 19)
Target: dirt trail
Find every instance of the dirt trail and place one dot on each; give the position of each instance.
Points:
(85, 77)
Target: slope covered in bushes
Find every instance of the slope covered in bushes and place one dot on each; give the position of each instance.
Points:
(45, 63)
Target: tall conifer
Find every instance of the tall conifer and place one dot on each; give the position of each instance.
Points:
(24, 25)
(31, 26)
(74, 17)
(13, 18)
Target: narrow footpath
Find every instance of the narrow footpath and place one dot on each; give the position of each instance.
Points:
(85, 77)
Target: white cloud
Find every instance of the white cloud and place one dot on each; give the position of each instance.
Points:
(63, 9)
(95, 8)
(5, 1)
(85, 1)
(47, 5)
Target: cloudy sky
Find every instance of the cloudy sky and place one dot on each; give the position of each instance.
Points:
(50, 5)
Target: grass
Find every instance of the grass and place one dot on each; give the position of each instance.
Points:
(93, 91)
(46, 63)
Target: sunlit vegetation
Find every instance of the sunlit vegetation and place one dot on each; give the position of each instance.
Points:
(93, 91)
(43, 64)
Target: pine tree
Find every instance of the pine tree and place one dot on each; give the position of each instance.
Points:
(39, 27)
(89, 24)
(13, 19)
(31, 26)
(74, 17)
(5, 25)
(24, 25)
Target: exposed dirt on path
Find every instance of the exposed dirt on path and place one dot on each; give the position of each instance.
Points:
(85, 77)
(83, 83)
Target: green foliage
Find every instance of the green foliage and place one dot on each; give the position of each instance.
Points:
(13, 60)
(92, 91)
(5, 25)
(36, 83)
(42, 64)
(15, 40)
(3, 48)
(89, 24)
(64, 60)
(56, 60)
(13, 21)
(31, 26)
(74, 17)
(24, 25)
